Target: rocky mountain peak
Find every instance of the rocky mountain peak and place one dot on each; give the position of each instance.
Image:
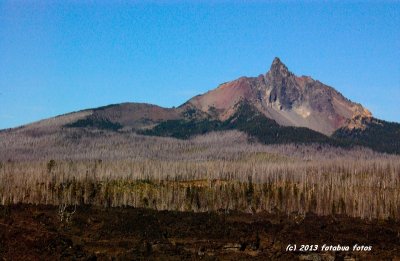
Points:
(287, 99)
(278, 68)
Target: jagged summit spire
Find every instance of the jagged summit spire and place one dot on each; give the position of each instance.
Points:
(278, 67)
(276, 61)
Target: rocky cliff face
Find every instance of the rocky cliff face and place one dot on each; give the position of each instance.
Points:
(284, 97)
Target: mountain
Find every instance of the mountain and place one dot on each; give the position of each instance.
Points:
(285, 98)
(275, 107)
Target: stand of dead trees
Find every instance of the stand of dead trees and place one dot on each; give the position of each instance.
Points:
(216, 172)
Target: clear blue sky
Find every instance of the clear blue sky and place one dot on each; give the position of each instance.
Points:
(58, 57)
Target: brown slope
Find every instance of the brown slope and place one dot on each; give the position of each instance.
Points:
(284, 97)
(136, 115)
(128, 115)
(222, 100)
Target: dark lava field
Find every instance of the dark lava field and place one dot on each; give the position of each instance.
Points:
(29, 232)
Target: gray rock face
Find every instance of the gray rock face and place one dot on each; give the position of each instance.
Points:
(282, 86)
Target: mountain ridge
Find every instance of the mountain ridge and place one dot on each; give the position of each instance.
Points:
(286, 98)
(283, 104)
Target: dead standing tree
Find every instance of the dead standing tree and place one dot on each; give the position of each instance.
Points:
(65, 210)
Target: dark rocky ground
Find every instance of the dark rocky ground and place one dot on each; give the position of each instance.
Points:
(36, 233)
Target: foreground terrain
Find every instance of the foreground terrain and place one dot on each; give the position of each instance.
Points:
(218, 196)
(30, 232)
